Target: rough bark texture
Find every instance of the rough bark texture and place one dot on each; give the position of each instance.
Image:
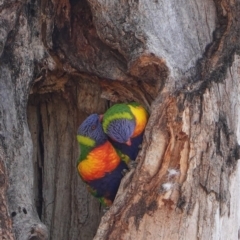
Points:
(63, 202)
(5, 221)
(192, 132)
(16, 73)
(178, 58)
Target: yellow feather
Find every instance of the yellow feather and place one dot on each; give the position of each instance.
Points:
(115, 116)
(141, 118)
(85, 140)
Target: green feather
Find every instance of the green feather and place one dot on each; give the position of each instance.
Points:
(117, 111)
(123, 156)
(134, 104)
(86, 145)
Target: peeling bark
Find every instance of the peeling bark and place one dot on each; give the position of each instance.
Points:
(192, 130)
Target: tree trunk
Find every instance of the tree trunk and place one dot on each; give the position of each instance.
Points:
(63, 202)
(63, 60)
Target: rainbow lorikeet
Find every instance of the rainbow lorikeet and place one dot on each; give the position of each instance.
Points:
(124, 124)
(99, 165)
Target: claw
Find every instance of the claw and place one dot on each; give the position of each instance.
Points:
(105, 209)
(124, 171)
(132, 164)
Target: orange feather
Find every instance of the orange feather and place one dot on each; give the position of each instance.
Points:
(99, 161)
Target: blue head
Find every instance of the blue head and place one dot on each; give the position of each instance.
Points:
(121, 130)
(91, 129)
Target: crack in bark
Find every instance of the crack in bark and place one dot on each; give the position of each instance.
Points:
(218, 56)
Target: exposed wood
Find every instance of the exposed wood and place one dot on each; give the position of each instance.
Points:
(178, 58)
(199, 142)
(203, 150)
(64, 204)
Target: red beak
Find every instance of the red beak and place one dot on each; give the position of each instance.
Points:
(129, 143)
(100, 117)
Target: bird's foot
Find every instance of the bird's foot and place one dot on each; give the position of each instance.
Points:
(124, 171)
(105, 209)
(132, 164)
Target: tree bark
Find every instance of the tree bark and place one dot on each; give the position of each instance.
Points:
(16, 72)
(63, 60)
(63, 202)
(193, 130)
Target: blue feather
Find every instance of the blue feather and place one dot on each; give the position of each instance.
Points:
(107, 186)
(130, 151)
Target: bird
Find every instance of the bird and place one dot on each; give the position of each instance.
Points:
(99, 164)
(124, 123)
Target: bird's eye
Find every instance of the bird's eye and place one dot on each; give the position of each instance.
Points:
(93, 127)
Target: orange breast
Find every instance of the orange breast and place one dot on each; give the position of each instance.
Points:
(99, 161)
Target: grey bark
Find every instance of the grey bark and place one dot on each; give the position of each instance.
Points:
(16, 73)
(64, 204)
(60, 59)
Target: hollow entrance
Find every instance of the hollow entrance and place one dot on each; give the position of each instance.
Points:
(61, 198)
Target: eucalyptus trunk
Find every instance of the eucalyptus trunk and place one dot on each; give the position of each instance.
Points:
(63, 60)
